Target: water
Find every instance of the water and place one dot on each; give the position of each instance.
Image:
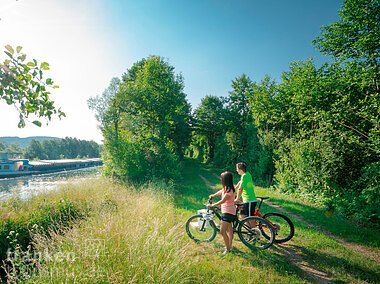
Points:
(27, 186)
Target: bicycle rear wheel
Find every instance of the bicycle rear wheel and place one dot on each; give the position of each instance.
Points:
(282, 226)
(250, 232)
(200, 229)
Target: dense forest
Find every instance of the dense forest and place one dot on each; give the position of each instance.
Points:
(56, 148)
(314, 134)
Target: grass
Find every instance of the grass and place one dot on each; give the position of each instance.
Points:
(336, 224)
(312, 244)
(136, 235)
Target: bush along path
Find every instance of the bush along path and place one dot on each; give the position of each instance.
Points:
(325, 249)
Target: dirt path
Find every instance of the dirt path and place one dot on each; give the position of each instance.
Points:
(294, 255)
(360, 249)
(209, 184)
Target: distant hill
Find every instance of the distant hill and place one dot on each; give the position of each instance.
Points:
(24, 142)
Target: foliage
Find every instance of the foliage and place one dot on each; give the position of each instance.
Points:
(10, 148)
(210, 123)
(17, 229)
(2, 147)
(317, 132)
(242, 133)
(357, 34)
(68, 148)
(22, 84)
(100, 104)
(146, 122)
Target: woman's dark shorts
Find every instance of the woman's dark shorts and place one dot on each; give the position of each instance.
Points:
(226, 217)
(249, 208)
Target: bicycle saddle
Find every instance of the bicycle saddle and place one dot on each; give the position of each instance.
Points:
(262, 198)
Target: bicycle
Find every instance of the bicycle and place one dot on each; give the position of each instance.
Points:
(255, 232)
(283, 227)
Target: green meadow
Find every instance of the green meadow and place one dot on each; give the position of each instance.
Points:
(105, 232)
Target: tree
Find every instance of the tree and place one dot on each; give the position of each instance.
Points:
(3, 147)
(35, 150)
(52, 148)
(356, 36)
(355, 41)
(147, 126)
(100, 104)
(242, 132)
(210, 122)
(22, 84)
(324, 123)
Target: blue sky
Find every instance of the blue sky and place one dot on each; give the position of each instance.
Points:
(87, 42)
(212, 42)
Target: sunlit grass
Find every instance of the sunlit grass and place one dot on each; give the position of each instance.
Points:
(137, 235)
(132, 236)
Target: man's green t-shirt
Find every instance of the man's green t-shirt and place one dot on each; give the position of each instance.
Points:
(247, 185)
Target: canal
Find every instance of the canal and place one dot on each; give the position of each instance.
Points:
(26, 186)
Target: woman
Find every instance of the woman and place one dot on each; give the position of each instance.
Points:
(228, 209)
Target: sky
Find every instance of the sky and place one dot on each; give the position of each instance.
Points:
(209, 42)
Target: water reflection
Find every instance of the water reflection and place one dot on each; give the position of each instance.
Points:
(27, 186)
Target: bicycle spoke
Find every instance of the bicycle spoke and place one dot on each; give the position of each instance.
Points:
(200, 229)
(252, 232)
(282, 226)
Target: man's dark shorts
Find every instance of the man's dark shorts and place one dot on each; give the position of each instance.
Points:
(249, 208)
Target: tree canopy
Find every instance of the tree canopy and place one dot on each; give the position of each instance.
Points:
(146, 121)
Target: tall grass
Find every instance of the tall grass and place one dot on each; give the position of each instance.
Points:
(136, 235)
(132, 236)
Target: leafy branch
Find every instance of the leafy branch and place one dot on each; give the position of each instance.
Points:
(22, 84)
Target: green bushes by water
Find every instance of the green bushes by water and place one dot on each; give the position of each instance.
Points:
(21, 219)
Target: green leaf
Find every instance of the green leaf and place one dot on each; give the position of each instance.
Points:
(9, 54)
(21, 124)
(10, 49)
(22, 57)
(18, 49)
(38, 123)
(44, 66)
(55, 87)
(49, 81)
(31, 64)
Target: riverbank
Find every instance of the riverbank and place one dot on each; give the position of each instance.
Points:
(27, 186)
(128, 234)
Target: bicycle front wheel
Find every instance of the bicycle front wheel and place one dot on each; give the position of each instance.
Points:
(282, 226)
(200, 229)
(256, 233)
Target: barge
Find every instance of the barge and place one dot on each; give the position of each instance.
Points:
(21, 167)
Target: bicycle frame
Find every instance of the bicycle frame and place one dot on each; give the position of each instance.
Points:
(217, 212)
(257, 211)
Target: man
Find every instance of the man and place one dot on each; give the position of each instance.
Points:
(245, 190)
